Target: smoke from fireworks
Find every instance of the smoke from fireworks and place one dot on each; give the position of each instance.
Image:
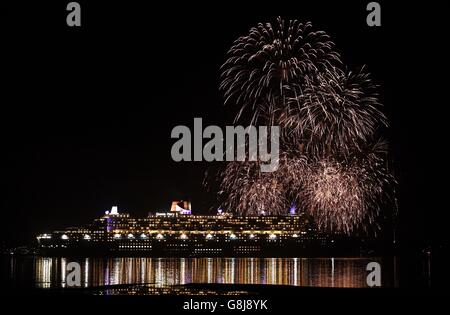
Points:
(331, 164)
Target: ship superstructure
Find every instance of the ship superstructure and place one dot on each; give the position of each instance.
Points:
(180, 233)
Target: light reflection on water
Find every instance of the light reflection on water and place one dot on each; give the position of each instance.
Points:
(47, 272)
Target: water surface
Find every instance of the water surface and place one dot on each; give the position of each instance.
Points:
(50, 272)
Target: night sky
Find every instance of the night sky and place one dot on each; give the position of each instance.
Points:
(86, 113)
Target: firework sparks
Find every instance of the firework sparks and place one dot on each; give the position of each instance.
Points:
(332, 167)
(334, 109)
(249, 191)
(261, 64)
(344, 196)
(341, 193)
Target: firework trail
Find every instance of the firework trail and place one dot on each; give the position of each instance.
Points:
(332, 166)
(270, 57)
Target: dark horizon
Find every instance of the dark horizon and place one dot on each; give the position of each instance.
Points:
(87, 113)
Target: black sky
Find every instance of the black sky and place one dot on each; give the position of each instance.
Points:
(86, 113)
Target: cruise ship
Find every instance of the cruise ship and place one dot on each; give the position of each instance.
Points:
(178, 232)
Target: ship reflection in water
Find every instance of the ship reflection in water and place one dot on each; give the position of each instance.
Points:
(46, 272)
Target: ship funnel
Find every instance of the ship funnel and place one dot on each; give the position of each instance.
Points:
(114, 210)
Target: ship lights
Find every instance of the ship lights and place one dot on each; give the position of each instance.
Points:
(44, 236)
(183, 236)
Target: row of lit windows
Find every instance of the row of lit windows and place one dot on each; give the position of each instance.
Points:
(161, 236)
(135, 246)
(183, 236)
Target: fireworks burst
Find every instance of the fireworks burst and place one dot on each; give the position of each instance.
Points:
(342, 193)
(270, 57)
(334, 109)
(248, 191)
(344, 196)
(332, 167)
